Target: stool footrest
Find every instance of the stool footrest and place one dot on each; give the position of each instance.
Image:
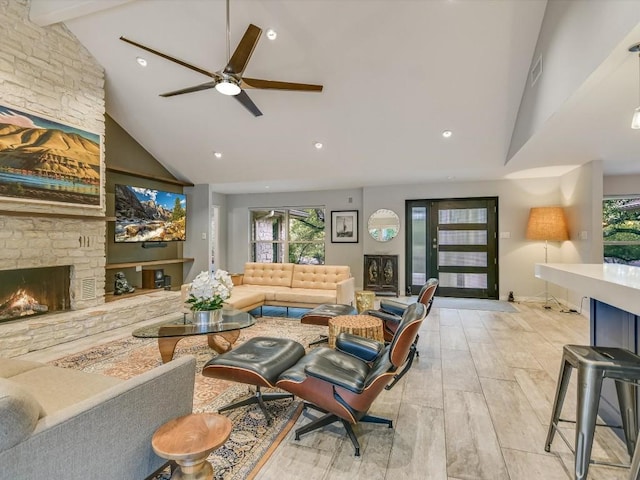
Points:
(591, 461)
(597, 424)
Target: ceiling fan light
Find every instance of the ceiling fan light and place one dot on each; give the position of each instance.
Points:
(228, 87)
(635, 122)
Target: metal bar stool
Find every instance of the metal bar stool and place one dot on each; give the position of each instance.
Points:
(595, 364)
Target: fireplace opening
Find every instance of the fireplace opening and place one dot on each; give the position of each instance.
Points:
(32, 291)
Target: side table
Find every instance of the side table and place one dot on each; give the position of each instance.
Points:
(364, 325)
(365, 300)
(189, 440)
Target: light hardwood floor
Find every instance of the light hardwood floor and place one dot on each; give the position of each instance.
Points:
(475, 405)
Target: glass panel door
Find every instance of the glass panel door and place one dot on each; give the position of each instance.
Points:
(454, 241)
(417, 248)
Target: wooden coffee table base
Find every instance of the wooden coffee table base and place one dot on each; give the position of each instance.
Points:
(189, 440)
(220, 342)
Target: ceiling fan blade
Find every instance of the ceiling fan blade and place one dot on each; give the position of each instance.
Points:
(247, 103)
(171, 59)
(275, 85)
(197, 88)
(242, 54)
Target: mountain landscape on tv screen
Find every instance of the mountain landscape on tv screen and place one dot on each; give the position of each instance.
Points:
(147, 215)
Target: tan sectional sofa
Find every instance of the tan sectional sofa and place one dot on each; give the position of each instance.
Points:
(290, 285)
(67, 424)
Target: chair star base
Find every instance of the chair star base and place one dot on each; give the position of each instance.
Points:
(258, 398)
(329, 418)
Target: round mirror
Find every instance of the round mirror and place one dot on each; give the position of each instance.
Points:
(383, 225)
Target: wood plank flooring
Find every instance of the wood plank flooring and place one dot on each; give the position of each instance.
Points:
(474, 406)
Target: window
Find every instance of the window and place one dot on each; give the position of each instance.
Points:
(621, 230)
(291, 235)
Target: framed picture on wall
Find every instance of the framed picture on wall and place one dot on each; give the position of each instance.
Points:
(43, 160)
(344, 226)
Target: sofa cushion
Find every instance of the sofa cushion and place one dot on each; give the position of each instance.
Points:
(269, 292)
(12, 366)
(324, 277)
(306, 295)
(19, 414)
(275, 274)
(56, 388)
(242, 297)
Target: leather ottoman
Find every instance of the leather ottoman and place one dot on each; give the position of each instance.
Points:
(321, 315)
(257, 362)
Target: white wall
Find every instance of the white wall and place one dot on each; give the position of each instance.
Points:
(581, 195)
(198, 223)
(220, 200)
(621, 185)
(575, 39)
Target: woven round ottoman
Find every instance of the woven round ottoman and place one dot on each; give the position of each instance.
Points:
(363, 325)
(321, 315)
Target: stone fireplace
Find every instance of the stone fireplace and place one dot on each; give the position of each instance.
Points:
(65, 83)
(34, 291)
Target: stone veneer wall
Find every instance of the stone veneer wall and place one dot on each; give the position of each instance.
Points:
(46, 71)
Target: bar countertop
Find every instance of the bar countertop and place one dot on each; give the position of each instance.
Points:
(614, 284)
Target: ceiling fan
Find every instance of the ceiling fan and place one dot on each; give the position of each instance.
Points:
(229, 81)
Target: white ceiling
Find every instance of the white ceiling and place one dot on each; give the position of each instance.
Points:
(395, 75)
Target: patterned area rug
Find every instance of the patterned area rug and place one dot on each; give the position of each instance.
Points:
(251, 440)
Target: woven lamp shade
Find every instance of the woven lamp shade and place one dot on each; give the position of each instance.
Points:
(547, 223)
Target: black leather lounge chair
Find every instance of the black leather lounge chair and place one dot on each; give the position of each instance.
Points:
(343, 383)
(391, 312)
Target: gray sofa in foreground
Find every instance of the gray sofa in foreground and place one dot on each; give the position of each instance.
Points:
(60, 423)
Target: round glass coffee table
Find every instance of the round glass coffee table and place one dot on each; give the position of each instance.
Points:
(220, 335)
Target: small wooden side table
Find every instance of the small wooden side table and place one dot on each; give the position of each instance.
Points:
(365, 300)
(363, 325)
(189, 440)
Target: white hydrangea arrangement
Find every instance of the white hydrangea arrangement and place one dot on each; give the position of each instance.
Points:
(208, 292)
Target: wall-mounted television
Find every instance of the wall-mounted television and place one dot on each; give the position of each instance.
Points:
(148, 215)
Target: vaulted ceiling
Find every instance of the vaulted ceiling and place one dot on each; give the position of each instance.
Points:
(396, 74)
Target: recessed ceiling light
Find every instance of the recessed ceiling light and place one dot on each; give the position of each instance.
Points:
(217, 154)
(272, 34)
(451, 177)
(318, 145)
(267, 187)
(141, 61)
(447, 133)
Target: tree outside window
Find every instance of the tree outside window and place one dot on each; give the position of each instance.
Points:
(294, 235)
(621, 230)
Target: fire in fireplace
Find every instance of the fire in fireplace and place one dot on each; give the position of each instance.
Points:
(32, 291)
